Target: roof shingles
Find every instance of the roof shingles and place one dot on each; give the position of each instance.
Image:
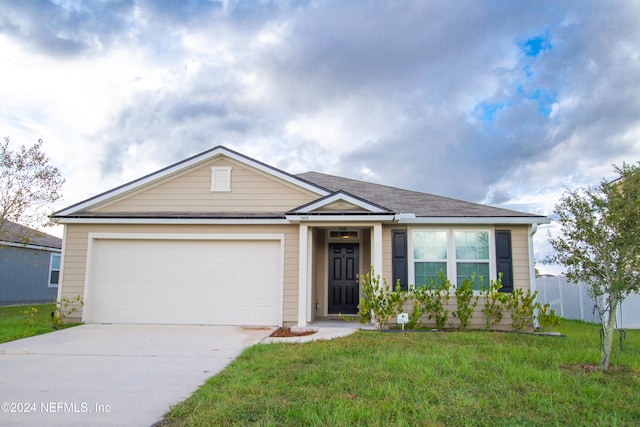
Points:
(16, 233)
(406, 201)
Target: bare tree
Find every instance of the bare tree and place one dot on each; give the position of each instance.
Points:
(29, 186)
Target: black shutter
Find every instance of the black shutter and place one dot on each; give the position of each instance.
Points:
(504, 259)
(400, 267)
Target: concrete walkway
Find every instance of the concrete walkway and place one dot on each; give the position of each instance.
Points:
(108, 375)
(325, 330)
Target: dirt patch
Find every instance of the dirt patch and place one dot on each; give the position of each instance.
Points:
(581, 368)
(287, 332)
(588, 368)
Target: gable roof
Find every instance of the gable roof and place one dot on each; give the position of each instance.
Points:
(369, 201)
(412, 202)
(19, 235)
(180, 167)
(363, 205)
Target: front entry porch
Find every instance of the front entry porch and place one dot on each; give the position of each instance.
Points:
(332, 259)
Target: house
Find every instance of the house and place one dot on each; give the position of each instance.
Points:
(221, 238)
(29, 265)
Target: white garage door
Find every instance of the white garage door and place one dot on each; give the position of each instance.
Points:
(215, 282)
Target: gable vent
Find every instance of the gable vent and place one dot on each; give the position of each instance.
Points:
(221, 178)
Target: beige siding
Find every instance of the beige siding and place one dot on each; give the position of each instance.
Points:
(319, 273)
(75, 250)
(387, 261)
(251, 191)
(340, 206)
(520, 254)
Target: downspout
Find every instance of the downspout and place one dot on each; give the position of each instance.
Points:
(532, 270)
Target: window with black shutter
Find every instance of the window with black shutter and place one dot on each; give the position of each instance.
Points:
(400, 267)
(504, 259)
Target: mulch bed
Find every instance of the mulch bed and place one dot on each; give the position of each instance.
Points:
(287, 332)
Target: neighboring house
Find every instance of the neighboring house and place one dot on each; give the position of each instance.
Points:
(29, 265)
(221, 238)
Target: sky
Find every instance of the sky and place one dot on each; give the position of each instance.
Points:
(499, 102)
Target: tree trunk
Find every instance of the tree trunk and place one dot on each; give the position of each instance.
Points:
(609, 330)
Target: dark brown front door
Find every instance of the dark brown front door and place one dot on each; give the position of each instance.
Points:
(343, 278)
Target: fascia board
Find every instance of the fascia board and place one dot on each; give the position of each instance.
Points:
(182, 165)
(341, 218)
(196, 221)
(474, 220)
(339, 196)
(30, 246)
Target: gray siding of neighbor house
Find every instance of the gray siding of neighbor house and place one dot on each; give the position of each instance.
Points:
(24, 276)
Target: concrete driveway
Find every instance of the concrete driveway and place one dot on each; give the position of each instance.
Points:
(125, 375)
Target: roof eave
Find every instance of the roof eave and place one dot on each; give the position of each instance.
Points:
(171, 220)
(334, 217)
(30, 246)
(405, 219)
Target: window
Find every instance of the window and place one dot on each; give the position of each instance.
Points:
(457, 254)
(221, 178)
(429, 255)
(472, 257)
(54, 270)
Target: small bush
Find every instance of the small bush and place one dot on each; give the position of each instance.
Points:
(434, 299)
(466, 303)
(379, 304)
(64, 308)
(547, 318)
(31, 313)
(494, 302)
(522, 306)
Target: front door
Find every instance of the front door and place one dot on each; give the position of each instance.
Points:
(343, 278)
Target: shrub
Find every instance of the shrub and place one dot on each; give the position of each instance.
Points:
(547, 318)
(418, 309)
(31, 313)
(494, 302)
(379, 304)
(522, 306)
(466, 303)
(64, 308)
(434, 299)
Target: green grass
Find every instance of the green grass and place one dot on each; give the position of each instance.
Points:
(406, 379)
(15, 324)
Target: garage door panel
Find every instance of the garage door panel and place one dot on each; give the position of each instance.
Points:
(186, 282)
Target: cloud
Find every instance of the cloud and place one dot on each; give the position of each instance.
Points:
(499, 102)
(65, 28)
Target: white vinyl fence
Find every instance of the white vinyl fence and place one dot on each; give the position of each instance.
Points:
(571, 301)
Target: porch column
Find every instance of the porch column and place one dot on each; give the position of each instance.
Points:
(376, 249)
(304, 277)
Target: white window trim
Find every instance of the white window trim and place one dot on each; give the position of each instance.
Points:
(215, 185)
(412, 265)
(451, 253)
(49, 284)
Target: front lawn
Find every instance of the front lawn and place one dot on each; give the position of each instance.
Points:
(20, 321)
(448, 379)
